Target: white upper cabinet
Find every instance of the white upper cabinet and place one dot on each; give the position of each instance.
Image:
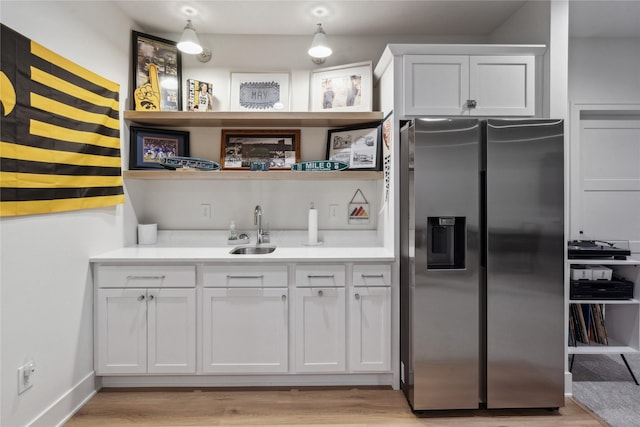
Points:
(455, 85)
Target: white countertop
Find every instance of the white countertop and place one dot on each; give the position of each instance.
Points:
(211, 246)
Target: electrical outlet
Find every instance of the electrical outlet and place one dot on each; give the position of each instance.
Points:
(333, 212)
(205, 211)
(25, 376)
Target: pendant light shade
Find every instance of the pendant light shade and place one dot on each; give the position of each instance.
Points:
(319, 49)
(189, 42)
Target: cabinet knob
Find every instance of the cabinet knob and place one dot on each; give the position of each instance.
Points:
(320, 293)
(150, 297)
(471, 104)
(357, 296)
(141, 298)
(284, 298)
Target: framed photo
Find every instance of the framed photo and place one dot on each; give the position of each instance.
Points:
(156, 87)
(277, 149)
(147, 146)
(259, 92)
(359, 146)
(343, 88)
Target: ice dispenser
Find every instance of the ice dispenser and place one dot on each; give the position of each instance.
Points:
(446, 242)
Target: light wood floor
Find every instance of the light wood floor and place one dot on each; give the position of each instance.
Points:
(303, 407)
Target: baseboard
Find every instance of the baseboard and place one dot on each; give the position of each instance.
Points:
(568, 384)
(68, 404)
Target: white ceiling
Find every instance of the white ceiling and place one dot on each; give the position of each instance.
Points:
(604, 18)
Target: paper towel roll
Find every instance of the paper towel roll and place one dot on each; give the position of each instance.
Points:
(147, 234)
(313, 226)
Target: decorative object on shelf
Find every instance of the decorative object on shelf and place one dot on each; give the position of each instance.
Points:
(319, 166)
(148, 146)
(259, 92)
(358, 210)
(319, 50)
(181, 162)
(189, 42)
(342, 88)
(358, 146)
(596, 249)
(279, 147)
(163, 93)
(199, 95)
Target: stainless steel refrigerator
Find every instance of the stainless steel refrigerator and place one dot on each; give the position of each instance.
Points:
(482, 263)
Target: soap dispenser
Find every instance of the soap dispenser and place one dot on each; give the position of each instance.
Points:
(233, 234)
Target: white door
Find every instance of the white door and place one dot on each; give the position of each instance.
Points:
(122, 331)
(320, 330)
(171, 322)
(370, 329)
(245, 330)
(435, 85)
(502, 85)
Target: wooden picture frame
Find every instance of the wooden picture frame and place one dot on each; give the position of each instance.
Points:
(166, 57)
(147, 146)
(278, 149)
(259, 92)
(360, 146)
(342, 88)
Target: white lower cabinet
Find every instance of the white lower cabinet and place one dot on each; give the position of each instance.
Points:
(146, 331)
(245, 330)
(370, 329)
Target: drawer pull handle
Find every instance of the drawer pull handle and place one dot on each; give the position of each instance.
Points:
(357, 296)
(141, 298)
(320, 276)
(372, 276)
(320, 293)
(146, 277)
(229, 276)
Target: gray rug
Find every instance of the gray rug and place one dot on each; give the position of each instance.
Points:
(603, 384)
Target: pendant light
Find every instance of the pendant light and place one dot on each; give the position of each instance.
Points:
(319, 49)
(189, 42)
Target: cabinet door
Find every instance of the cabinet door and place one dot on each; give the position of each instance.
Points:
(245, 330)
(122, 331)
(171, 323)
(502, 85)
(370, 329)
(435, 85)
(320, 330)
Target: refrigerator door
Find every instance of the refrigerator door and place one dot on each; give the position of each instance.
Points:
(444, 290)
(525, 257)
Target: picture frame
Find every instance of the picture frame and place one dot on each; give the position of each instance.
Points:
(360, 146)
(277, 149)
(259, 92)
(342, 88)
(166, 57)
(148, 145)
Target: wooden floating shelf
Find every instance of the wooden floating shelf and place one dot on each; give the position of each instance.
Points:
(240, 175)
(245, 119)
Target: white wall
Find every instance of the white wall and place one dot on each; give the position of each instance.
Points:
(46, 303)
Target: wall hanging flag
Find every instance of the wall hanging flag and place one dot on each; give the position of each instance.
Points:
(59, 132)
(358, 211)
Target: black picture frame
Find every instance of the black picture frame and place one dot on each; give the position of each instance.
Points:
(147, 49)
(360, 146)
(148, 145)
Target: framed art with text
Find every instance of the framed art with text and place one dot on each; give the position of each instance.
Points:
(359, 146)
(243, 148)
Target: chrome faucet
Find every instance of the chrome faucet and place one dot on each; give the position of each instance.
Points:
(257, 220)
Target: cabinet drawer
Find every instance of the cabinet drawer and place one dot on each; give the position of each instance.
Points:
(314, 275)
(243, 275)
(145, 276)
(371, 275)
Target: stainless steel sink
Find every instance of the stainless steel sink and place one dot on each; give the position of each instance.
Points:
(252, 250)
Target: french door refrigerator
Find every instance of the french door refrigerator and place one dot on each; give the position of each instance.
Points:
(482, 263)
